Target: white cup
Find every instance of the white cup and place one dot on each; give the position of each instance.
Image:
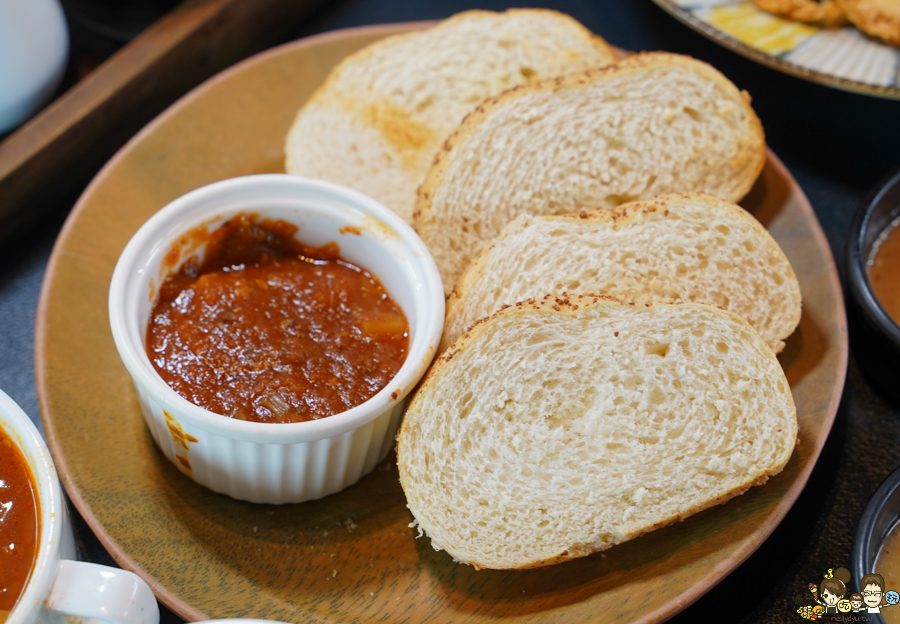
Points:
(60, 587)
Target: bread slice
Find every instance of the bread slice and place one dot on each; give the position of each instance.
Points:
(384, 111)
(687, 247)
(651, 124)
(562, 426)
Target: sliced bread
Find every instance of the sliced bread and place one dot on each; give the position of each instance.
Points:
(384, 111)
(560, 427)
(687, 247)
(651, 124)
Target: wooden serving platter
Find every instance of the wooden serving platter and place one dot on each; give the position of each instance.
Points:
(352, 557)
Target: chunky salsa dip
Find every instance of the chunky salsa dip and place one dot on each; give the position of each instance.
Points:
(269, 330)
(19, 526)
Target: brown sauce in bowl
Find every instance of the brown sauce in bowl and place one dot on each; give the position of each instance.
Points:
(19, 524)
(884, 270)
(888, 566)
(268, 329)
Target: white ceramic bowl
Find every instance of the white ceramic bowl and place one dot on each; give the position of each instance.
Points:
(266, 462)
(59, 588)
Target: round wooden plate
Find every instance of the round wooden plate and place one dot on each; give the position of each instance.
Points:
(352, 557)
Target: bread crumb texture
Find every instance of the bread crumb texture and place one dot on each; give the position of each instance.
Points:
(684, 247)
(546, 435)
(384, 111)
(652, 124)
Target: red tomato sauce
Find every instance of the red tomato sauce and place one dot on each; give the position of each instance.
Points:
(19, 524)
(268, 329)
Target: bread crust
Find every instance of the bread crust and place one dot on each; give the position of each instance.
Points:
(568, 305)
(622, 216)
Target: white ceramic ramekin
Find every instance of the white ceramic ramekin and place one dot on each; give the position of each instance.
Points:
(265, 462)
(59, 588)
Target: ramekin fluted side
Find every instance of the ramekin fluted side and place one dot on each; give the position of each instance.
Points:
(272, 472)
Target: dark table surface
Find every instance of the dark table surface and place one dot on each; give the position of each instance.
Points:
(836, 144)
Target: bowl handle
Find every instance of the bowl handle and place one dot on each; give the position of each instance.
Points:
(96, 591)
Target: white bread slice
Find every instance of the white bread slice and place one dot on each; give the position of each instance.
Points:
(384, 111)
(562, 426)
(686, 247)
(653, 123)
